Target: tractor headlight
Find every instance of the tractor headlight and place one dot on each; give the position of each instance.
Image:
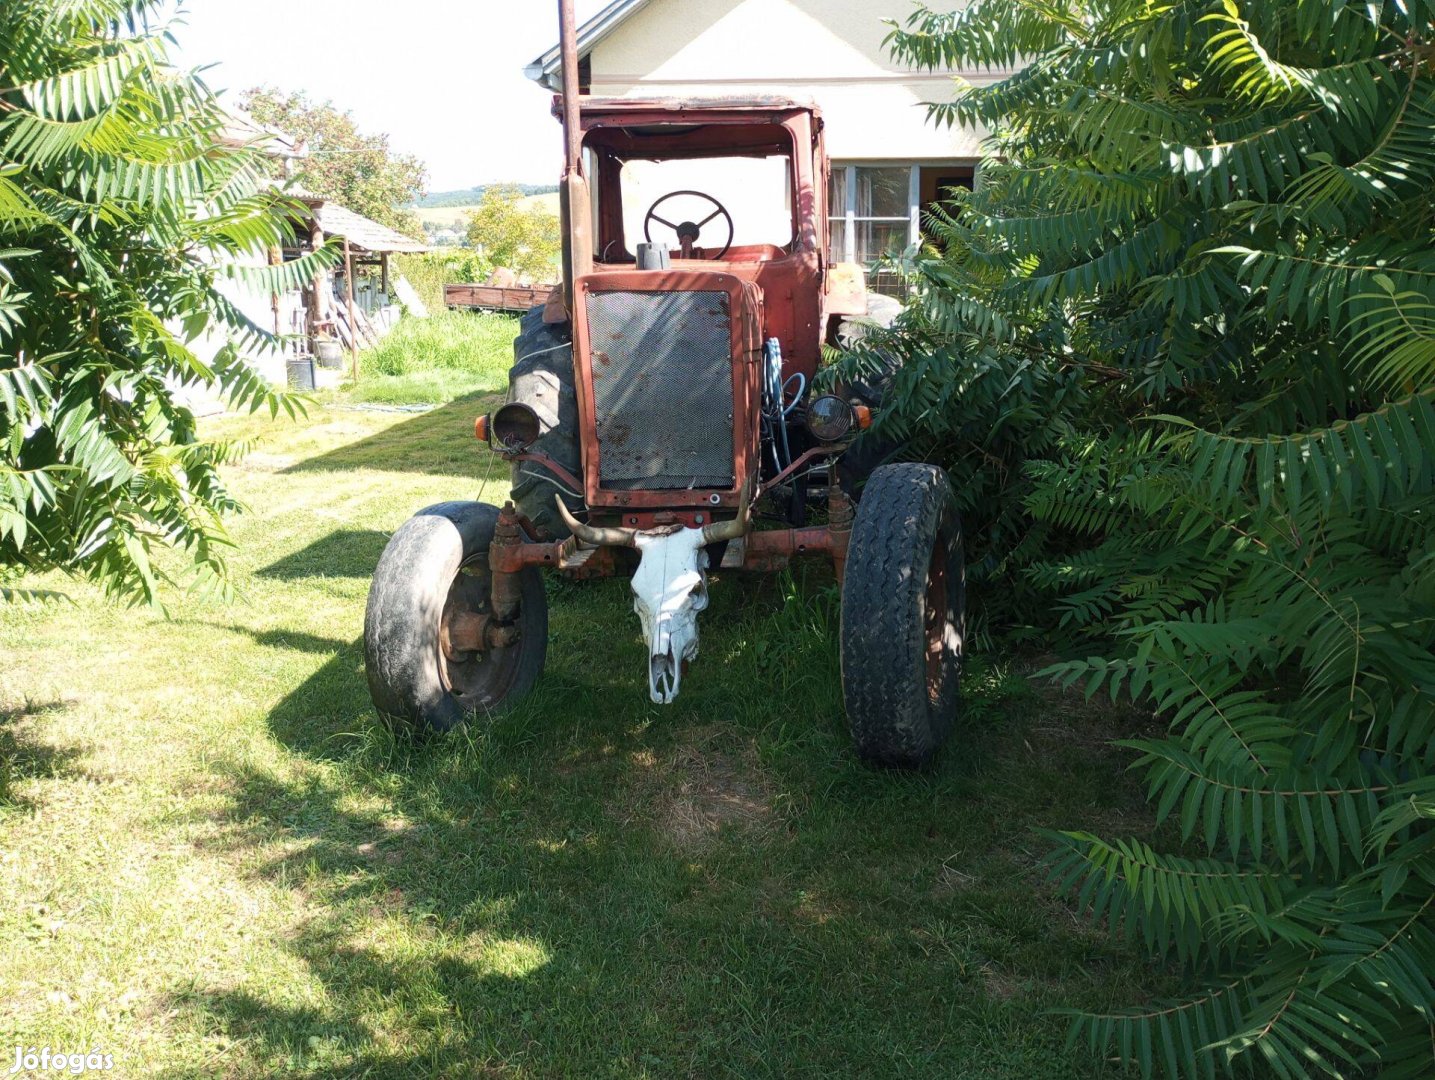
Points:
(515, 427)
(829, 418)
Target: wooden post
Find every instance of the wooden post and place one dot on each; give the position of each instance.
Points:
(276, 258)
(316, 288)
(384, 278)
(349, 297)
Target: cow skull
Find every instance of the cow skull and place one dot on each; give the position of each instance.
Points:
(669, 589)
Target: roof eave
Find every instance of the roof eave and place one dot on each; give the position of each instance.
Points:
(545, 70)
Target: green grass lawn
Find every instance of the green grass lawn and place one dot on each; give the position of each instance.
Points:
(214, 861)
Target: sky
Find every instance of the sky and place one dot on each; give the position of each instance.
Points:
(444, 78)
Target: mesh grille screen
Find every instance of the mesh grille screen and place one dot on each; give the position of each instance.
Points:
(662, 389)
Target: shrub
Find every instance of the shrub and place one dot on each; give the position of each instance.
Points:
(1186, 321)
(510, 235)
(430, 271)
(120, 208)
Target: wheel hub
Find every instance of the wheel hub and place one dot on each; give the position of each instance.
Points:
(936, 622)
(472, 643)
(466, 632)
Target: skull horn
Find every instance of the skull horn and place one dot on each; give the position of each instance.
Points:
(591, 534)
(730, 530)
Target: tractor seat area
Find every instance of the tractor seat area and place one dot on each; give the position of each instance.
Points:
(747, 253)
(744, 253)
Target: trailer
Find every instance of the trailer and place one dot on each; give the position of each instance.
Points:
(512, 298)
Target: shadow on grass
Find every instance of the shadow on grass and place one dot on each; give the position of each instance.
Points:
(589, 885)
(22, 758)
(504, 1022)
(439, 442)
(295, 640)
(342, 553)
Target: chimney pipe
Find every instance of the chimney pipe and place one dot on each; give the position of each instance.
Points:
(572, 145)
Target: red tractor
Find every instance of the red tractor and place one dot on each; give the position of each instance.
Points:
(654, 401)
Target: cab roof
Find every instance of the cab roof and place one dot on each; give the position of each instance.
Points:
(757, 103)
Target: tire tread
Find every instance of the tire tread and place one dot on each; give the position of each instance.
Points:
(547, 349)
(883, 597)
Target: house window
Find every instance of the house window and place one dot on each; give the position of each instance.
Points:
(876, 210)
(871, 211)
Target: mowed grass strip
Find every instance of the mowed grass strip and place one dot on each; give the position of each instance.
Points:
(215, 861)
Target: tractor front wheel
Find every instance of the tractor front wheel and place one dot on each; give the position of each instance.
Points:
(433, 653)
(903, 615)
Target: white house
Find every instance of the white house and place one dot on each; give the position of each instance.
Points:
(888, 161)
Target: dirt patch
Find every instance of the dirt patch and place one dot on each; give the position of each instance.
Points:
(703, 788)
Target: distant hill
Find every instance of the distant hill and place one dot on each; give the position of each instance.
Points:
(448, 216)
(470, 196)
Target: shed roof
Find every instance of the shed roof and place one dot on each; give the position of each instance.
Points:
(544, 70)
(241, 129)
(361, 232)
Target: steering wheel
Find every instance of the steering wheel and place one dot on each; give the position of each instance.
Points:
(688, 231)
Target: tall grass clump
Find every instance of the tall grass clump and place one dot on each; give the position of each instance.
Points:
(428, 272)
(479, 344)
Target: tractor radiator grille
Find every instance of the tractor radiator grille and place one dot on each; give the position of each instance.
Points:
(662, 389)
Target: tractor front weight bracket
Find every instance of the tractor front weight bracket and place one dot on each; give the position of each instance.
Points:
(508, 542)
(513, 551)
(769, 551)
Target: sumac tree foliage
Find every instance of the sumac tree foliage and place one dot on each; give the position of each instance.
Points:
(1179, 349)
(121, 208)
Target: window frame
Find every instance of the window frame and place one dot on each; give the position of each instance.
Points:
(851, 217)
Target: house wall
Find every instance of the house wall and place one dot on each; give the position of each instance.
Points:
(827, 50)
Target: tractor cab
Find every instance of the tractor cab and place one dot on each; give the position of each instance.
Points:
(703, 276)
(711, 185)
(730, 185)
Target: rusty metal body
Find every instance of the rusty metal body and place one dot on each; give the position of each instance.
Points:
(678, 419)
(753, 293)
(715, 308)
(756, 292)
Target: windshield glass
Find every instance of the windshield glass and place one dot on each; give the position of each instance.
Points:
(755, 191)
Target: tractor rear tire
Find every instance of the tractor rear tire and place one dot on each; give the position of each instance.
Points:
(542, 378)
(903, 616)
(434, 567)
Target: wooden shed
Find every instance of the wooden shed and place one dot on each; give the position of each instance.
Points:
(355, 302)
